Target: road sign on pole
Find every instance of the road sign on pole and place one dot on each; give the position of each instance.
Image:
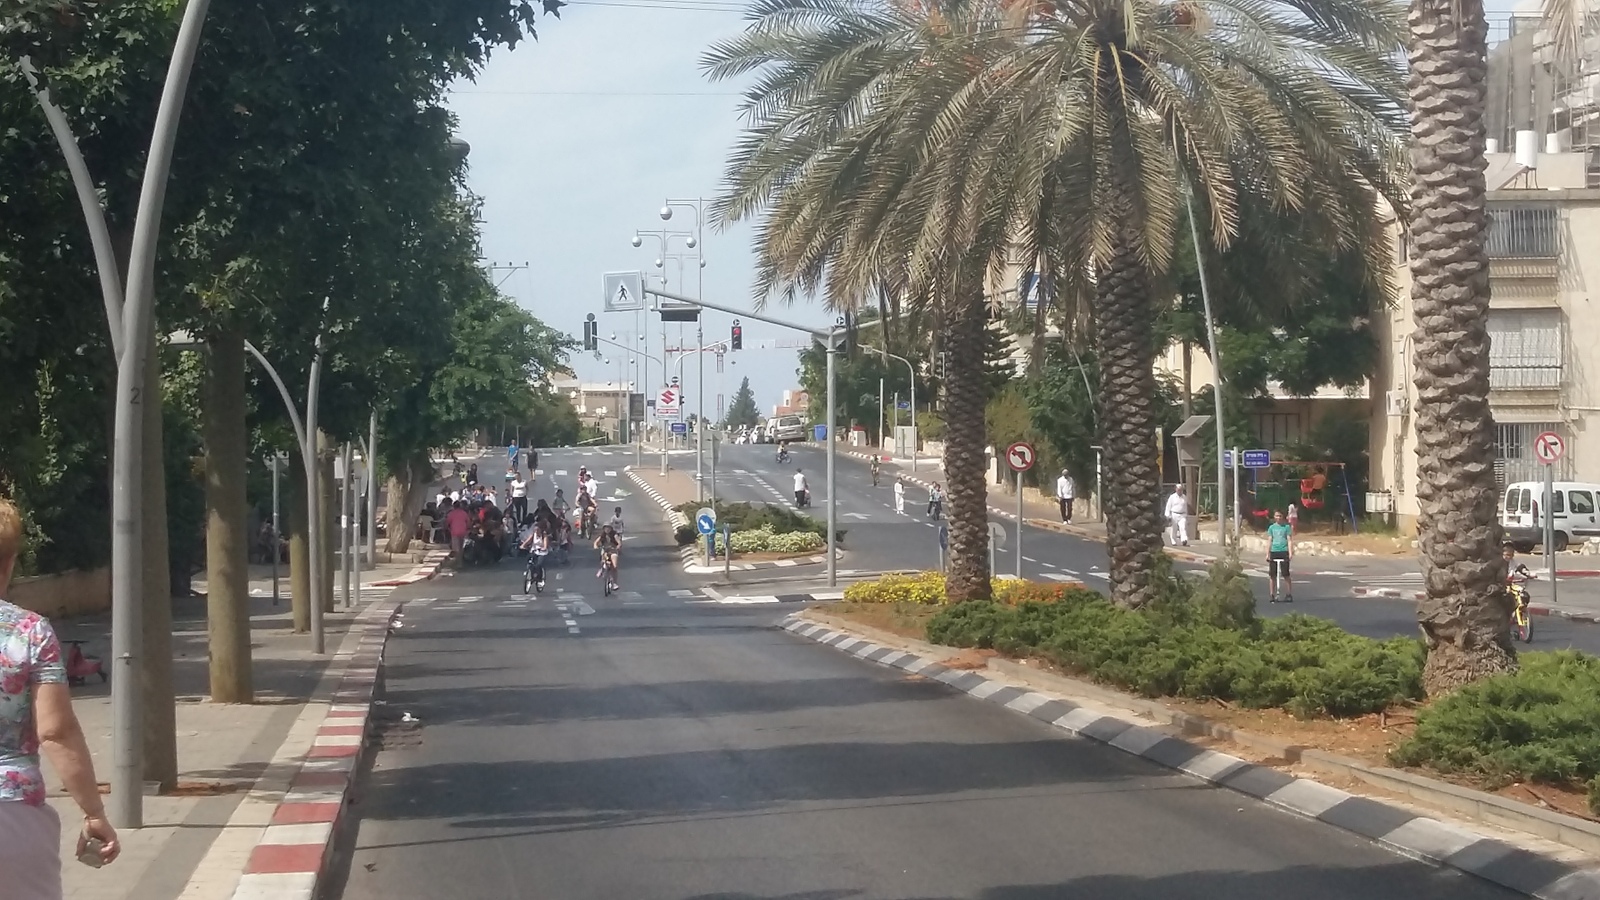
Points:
(679, 427)
(624, 291)
(1549, 447)
(706, 520)
(668, 403)
(1020, 456)
(1257, 459)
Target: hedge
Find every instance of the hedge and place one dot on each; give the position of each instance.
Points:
(752, 517)
(764, 540)
(1540, 724)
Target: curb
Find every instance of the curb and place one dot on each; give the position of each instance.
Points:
(293, 855)
(429, 568)
(674, 518)
(1534, 609)
(1400, 830)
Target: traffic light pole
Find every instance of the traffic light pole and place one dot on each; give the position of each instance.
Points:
(831, 338)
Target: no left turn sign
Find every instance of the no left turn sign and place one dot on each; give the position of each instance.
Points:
(1020, 456)
(1549, 447)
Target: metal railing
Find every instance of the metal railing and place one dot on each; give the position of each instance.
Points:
(1524, 232)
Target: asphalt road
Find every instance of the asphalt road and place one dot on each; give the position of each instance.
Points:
(656, 746)
(878, 539)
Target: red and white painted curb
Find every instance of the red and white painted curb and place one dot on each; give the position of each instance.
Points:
(429, 568)
(293, 852)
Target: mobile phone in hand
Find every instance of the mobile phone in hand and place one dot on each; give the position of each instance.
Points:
(91, 853)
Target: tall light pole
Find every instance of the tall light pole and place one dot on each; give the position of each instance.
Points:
(1216, 365)
(698, 205)
(663, 238)
(647, 356)
(912, 369)
(126, 804)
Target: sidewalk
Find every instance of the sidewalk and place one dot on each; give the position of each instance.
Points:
(677, 487)
(189, 848)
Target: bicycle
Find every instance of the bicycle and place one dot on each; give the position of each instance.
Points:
(608, 571)
(533, 574)
(586, 523)
(1521, 621)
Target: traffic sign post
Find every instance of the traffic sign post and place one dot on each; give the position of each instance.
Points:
(1257, 459)
(1020, 457)
(705, 521)
(623, 291)
(997, 541)
(679, 427)
(1549, 448)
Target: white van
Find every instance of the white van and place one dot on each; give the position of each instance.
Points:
(790, 428)
(1573, 516)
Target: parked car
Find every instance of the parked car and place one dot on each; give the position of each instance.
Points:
(1573, 515)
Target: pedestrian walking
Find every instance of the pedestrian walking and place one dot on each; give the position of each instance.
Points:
(1177, 512)
(1066, 490)
(519, 499)
(458, 522)
(899, 496)
(36, 716)
(935, 502)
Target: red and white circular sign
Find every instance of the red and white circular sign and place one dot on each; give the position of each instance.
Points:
(1549, 447)
(1020, 456)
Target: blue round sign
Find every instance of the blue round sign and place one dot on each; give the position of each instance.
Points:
(706, 522)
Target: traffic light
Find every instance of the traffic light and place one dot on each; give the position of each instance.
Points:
(737, 340)
(591, 333)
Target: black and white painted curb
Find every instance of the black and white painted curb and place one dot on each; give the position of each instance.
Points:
(1398, 829)
(677, 519)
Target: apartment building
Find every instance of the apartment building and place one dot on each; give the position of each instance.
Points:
(1544, 328)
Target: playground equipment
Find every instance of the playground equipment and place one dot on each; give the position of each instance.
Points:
(1314, 487)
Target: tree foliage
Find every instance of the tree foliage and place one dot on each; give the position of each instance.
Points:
(742, 411)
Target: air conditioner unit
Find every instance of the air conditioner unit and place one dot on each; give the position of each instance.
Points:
(1396, 403)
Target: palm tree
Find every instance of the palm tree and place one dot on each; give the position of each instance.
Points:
(1465, 613)
(962, 133)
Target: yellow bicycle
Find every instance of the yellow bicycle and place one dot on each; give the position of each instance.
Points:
(1521, 622)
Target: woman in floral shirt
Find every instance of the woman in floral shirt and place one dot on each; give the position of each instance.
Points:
(36, 714)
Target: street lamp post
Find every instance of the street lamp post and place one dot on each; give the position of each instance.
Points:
(698, 205)
(663, 238)
(663, 375)
(912, 369)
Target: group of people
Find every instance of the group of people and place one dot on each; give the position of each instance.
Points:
(548, 528)
(935, 499)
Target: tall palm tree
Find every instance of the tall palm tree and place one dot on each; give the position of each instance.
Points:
(964, 132)
(1465, 613)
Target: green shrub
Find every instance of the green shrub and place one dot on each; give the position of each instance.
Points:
(1303, 665)
(754, 516)
(1540, 723)
(763, 540)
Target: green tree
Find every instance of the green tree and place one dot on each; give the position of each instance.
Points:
(951, 140)
(742, 411)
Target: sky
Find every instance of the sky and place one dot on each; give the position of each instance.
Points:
(577, 140)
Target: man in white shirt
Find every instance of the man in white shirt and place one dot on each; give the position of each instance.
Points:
(1066, 490)
(899, 497)
(519, 499)
(1177, 512)
(799, 488)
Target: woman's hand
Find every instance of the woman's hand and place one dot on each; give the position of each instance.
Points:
(98, 828)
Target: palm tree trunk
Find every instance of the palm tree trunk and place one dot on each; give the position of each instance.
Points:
(965, 397)
(227, 543)
(1466, 613)
(1131, 492)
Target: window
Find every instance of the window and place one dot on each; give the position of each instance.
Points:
(1525, 349)
(1523, 232)
(1276, 430)
(1581, 503)
(1514, 459)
